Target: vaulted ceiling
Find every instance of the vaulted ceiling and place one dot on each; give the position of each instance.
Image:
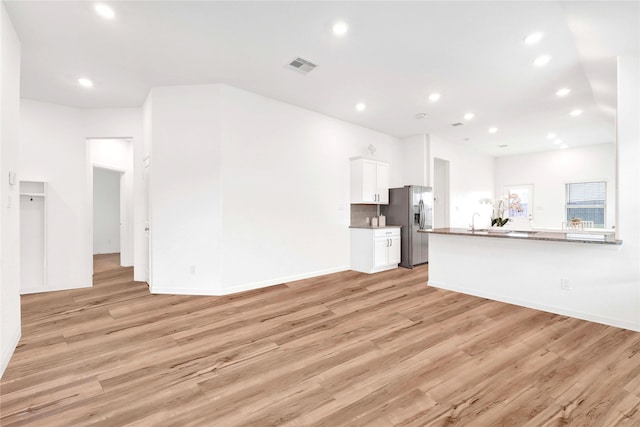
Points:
(393, 56)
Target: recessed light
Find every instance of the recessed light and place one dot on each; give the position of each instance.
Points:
(564, 146)
(105, 11)
(84, 82)
(340, 28)
(576, 113)
(434, 97)
(557, 141)
(533, 38)
(361, 106)
(469, 116)
(421, 115)
(551, 135)
(493, 129)
(542, 60)
(563, 92)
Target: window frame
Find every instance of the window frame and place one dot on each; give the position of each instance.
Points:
(603, 206)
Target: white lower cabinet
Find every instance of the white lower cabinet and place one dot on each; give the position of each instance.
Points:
(375, 249)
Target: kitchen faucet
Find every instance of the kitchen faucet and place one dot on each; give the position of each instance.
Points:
(473, 224)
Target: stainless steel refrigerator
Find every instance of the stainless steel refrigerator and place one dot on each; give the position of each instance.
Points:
(412, 208)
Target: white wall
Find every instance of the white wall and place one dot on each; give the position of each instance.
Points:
(471, 178)
(285, 189)
(255, 193)
(415, 160)
(9, 196)
(628, 177)
(184, 189)
(54, 149)
(549, 171)
(106, 211)
(117, 154)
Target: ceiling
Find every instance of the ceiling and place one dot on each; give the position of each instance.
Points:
(394, 55)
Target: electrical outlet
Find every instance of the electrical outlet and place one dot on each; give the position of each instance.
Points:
(565, 284)
(192, 269)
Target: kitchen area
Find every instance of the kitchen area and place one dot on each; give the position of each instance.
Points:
(540, 259)
(387, 224)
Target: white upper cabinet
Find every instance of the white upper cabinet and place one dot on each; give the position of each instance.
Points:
(369, 181)
(382, 182)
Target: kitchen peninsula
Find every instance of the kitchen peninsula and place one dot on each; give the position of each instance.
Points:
(538, 269)
(572, 236)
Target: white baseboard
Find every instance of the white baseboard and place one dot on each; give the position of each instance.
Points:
(53, 288)
(292, 278)
(168, 290)
(155, 289)
(8, 352)
(377, 270)
(592, 317)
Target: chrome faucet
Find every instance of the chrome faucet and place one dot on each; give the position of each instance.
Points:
(473, 223)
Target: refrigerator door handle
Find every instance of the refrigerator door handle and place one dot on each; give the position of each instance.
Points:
(422, 214)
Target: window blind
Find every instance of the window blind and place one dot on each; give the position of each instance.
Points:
(587, 201)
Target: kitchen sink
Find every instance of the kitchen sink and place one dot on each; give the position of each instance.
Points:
(516, 233)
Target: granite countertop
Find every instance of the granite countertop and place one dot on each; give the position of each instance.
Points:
(550, 236)
(374, 228)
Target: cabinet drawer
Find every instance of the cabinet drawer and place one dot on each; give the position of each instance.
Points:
(386, 232)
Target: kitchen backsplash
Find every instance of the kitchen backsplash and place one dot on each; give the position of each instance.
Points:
(360, 213)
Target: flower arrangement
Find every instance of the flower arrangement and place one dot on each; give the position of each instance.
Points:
(497, 215)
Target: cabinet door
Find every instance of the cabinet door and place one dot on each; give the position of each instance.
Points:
(394, 250)
(382, 182)
(380, 252)
(369, 187)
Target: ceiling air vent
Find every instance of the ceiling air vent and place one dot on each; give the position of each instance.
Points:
(302, 65)
(457, 124)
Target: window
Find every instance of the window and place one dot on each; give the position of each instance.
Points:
(587, 201)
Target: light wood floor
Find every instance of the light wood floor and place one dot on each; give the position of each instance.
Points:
(347, 349)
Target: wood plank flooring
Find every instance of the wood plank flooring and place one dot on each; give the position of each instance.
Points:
(346, 349)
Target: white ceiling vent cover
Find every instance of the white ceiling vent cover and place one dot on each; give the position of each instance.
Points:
(302, 65)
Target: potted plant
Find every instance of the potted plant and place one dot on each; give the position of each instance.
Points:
(497, 216)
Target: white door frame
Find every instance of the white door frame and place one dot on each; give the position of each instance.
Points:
(442, 190)
(126, 210)
(146, 255)
(125, 236)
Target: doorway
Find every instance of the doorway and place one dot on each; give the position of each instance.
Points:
(441, 193)
(110, 179)
(107, 214)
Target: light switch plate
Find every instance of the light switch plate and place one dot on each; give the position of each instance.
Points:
(12, 178)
